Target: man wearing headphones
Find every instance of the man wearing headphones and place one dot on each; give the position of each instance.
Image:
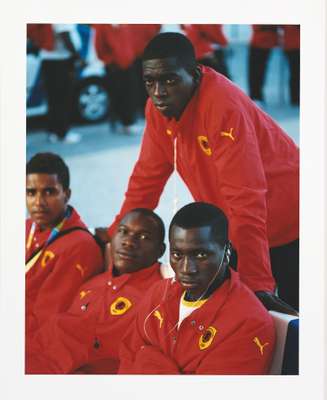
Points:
(205, 320)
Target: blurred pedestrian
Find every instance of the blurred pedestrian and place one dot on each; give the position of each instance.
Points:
(59, 54)
(209, 42)
(114, 47)
(264, 38)
(291, 46)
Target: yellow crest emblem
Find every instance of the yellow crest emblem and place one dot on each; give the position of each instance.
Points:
(207, 338)
(47, 256)
(204, 144)
(120, 306)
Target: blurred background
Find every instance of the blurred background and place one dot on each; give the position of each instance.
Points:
(103, 99)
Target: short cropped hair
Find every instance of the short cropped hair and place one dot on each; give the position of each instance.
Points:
(171, 44)
(155, 217)
(49, 163)
(200, 214)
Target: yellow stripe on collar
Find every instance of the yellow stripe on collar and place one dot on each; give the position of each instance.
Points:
(193, 304)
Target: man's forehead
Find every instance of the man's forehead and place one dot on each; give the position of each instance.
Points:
(200, 234)
(139, 221)
(162, 65)
(42, 179)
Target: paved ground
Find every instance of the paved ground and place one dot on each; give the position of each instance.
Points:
(101, 163)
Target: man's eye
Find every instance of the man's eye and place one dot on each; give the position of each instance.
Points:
(49, 192)
(143, 236)
(176, 255)
(30, 192)
(201, 255)
(148, 82)
(122, 230)
(170, 81)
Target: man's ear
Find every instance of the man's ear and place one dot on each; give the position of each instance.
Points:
(162, 249)
(197, 75)
(68, 193)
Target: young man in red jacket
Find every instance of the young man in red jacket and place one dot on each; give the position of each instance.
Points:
(85, 339)
(61, 253)
(206, 321)
(229, 153)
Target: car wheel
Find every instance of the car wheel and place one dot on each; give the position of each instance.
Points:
(92, 100)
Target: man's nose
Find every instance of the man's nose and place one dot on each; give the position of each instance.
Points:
(39, 199)
(159, 89)
(189, 266)
(129, 241)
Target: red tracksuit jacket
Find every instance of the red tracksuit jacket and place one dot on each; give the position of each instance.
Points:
(59, 271)
(203, 36)
(230, 334)
(141, 34)
(264, 36)
(86, 338)
(114, 44)
(231, 154)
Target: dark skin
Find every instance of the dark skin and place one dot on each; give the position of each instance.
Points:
(199, 261)
(46, 199)
(136, 243)
(170, 87)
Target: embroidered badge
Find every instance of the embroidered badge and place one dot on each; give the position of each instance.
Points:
(120, 306)
(261, 346)
(204, 144)
(84, 293)
(47, 256)
(80, 269)
(228, 134)
(158, 315)
(207, 338)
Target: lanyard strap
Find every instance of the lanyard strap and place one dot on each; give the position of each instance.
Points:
(52, 236)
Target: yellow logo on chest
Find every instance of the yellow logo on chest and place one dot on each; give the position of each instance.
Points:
(158, 315)
(207, 338)
(84, 293)
(228, 134)
(120, 306)
(204, 145)
(47, 256)
(261, 346)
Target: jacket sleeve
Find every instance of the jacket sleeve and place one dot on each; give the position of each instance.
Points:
(72, 268)
(139, 351)
(60, 346)
(241, 354)
(242, 183)
(149, 175)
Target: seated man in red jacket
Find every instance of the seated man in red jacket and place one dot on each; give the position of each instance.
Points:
(86, 338)
(61, 253)
(206, 321)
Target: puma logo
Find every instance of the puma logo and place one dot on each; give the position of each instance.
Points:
(158, 315)
(261, 346)
(84, 293)
(80, 268)
(228, 134)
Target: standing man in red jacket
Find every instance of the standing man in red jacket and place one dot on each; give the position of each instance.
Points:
(229, 153)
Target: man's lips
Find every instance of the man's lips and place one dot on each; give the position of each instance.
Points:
(126, 256)
(188, 283)
(39, 213)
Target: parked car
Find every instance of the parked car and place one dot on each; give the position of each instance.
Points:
(91, 100)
